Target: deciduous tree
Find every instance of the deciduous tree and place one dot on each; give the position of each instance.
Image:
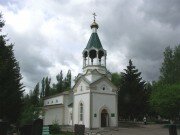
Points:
(165, 99)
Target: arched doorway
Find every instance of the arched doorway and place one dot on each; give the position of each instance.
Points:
(104, 118)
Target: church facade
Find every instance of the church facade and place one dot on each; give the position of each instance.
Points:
(93, 99)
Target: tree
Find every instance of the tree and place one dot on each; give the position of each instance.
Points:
(32, 106)
(47, 86)
(35, 96)
(67, 81)
(165, 99)
(43, 88)
(59, 85)
(10, 85)
(132, 97)
(116, 79)
(62, 84)
(170, 69)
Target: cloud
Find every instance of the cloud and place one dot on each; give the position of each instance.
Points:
(50, 35)
(163, 11)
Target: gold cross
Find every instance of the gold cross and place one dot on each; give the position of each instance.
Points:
(94, 14)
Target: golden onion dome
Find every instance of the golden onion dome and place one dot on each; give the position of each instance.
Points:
(94, 25)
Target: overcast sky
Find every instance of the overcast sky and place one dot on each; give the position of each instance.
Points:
(50, 35)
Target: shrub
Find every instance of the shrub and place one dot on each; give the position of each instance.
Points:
(55, 128)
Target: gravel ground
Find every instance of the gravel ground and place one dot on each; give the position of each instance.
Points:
(143, 130)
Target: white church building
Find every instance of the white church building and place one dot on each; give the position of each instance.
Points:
(93, 99)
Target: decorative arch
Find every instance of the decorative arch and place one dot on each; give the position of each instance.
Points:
(92, 53)
(85, 54)
(104, 116)
(100, 54)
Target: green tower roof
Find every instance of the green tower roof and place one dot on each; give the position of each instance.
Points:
(94, 41)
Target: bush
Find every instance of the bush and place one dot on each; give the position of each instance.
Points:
(54, 129)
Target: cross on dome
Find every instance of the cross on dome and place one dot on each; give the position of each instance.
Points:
(94, 15)
(94, 24)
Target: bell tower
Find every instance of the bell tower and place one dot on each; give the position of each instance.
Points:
(94, 56)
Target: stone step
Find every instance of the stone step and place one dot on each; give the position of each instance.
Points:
(45, 130)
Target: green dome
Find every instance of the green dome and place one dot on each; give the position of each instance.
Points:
(94, 41)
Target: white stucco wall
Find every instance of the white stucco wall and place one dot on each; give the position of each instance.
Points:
(53, 114)
(66, 110)
(108, 88)
(103, 101)
(85, 99)
(70, 118)
(54, 100)
(92, 77)
(100, 69)
(82, 87)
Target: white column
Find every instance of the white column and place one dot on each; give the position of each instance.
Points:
(97, 58)
(94, 30)
(88, 58)
(84, 61)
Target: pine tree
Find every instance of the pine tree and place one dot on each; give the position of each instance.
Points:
(132, 98)
(10, 85)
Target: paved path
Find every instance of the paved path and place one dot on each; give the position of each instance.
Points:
(143, 130)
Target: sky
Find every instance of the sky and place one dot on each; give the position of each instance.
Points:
(50, 35)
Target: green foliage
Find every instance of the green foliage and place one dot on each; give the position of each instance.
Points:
(34, 96)
(10, 85)
(29, 114)
(170, 70)
(67, 81)
(166, 100)
(61, 85)
(55, 128)
(116, 79)
(42, 87)
(31, 106)
(132, 97)
(47, 86)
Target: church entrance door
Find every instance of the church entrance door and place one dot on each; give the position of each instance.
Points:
(104, 118)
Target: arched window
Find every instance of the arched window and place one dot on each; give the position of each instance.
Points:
(81, 112)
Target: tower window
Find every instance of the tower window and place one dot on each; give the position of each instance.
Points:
(104, 88)
(81, 112)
